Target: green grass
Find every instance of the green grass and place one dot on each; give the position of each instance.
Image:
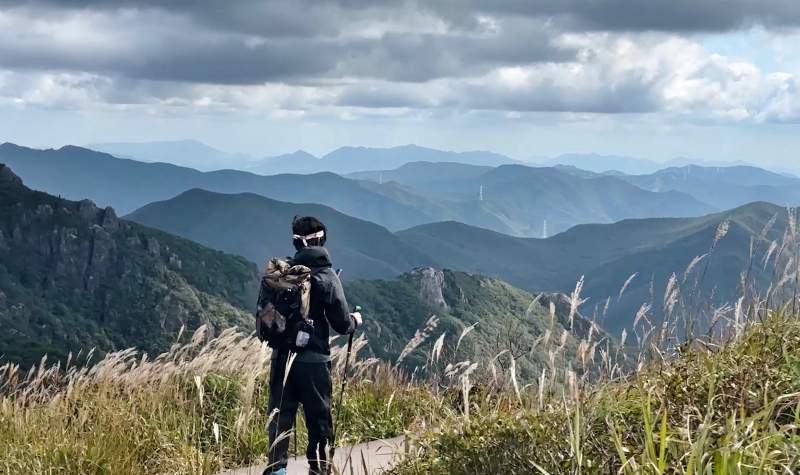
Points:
(734, 410)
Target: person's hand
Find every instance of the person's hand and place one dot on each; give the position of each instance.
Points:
(357, 317)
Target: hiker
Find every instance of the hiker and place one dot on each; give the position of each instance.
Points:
(309, 381)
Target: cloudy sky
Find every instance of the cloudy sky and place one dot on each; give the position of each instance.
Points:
(715, 79)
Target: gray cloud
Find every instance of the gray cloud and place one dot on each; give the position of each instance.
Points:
(386, 96)
(545, 95)
(326, 17)
(300, 41)
(552, 97)
(225, 62)
(655, 15)
(179, 47)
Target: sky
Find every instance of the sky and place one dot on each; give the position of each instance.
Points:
(711, 79)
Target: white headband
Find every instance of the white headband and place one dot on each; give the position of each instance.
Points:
(316, 235)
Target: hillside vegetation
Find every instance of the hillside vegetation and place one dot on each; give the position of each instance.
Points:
(497, 316)
(75, 277)
(609, 255)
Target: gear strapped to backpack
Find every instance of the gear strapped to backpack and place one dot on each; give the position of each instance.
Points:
(282, 319)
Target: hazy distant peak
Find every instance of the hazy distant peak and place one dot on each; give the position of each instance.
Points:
(75, 148)
(10, 146)
(301, 154)
(188, 153)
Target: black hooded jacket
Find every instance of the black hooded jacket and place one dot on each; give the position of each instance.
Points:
(328, 308)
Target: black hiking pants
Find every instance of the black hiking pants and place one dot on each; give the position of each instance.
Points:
(309, 385)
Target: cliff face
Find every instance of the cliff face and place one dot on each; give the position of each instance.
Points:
(431, 285)
(74, 277)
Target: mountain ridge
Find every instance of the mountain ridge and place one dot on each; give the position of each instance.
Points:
(723, 187)
(226, 222)
(599, 163)
(603, 253)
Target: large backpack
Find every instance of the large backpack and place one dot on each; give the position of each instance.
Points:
(282, 319)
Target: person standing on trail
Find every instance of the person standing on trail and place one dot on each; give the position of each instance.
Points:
(309, 381)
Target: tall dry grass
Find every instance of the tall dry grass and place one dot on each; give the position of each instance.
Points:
(197, 409)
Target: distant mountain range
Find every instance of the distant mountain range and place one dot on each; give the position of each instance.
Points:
(517, 199)
(639, 166)
(724, 187)
(194, 154)
(345, 160)
(127, 185)
(358, 159)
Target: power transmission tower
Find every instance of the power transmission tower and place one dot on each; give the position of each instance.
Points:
(480, 196)
(544, 230)
(380, 179)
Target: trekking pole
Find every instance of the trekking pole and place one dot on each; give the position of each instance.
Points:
(344, 380)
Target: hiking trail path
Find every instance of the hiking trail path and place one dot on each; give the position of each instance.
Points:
(376, 456)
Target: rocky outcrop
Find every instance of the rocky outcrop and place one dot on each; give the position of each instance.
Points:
(109, 221)
(175, 262)
(153, 247)
(431, 285)
(7, 177)
(88, 211)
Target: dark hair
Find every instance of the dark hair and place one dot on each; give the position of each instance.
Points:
(303, 226)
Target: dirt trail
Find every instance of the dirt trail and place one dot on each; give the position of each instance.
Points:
(376, 456)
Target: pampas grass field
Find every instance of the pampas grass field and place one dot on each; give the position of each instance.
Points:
(693, 388)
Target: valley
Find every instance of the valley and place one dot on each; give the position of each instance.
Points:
(385, 225)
